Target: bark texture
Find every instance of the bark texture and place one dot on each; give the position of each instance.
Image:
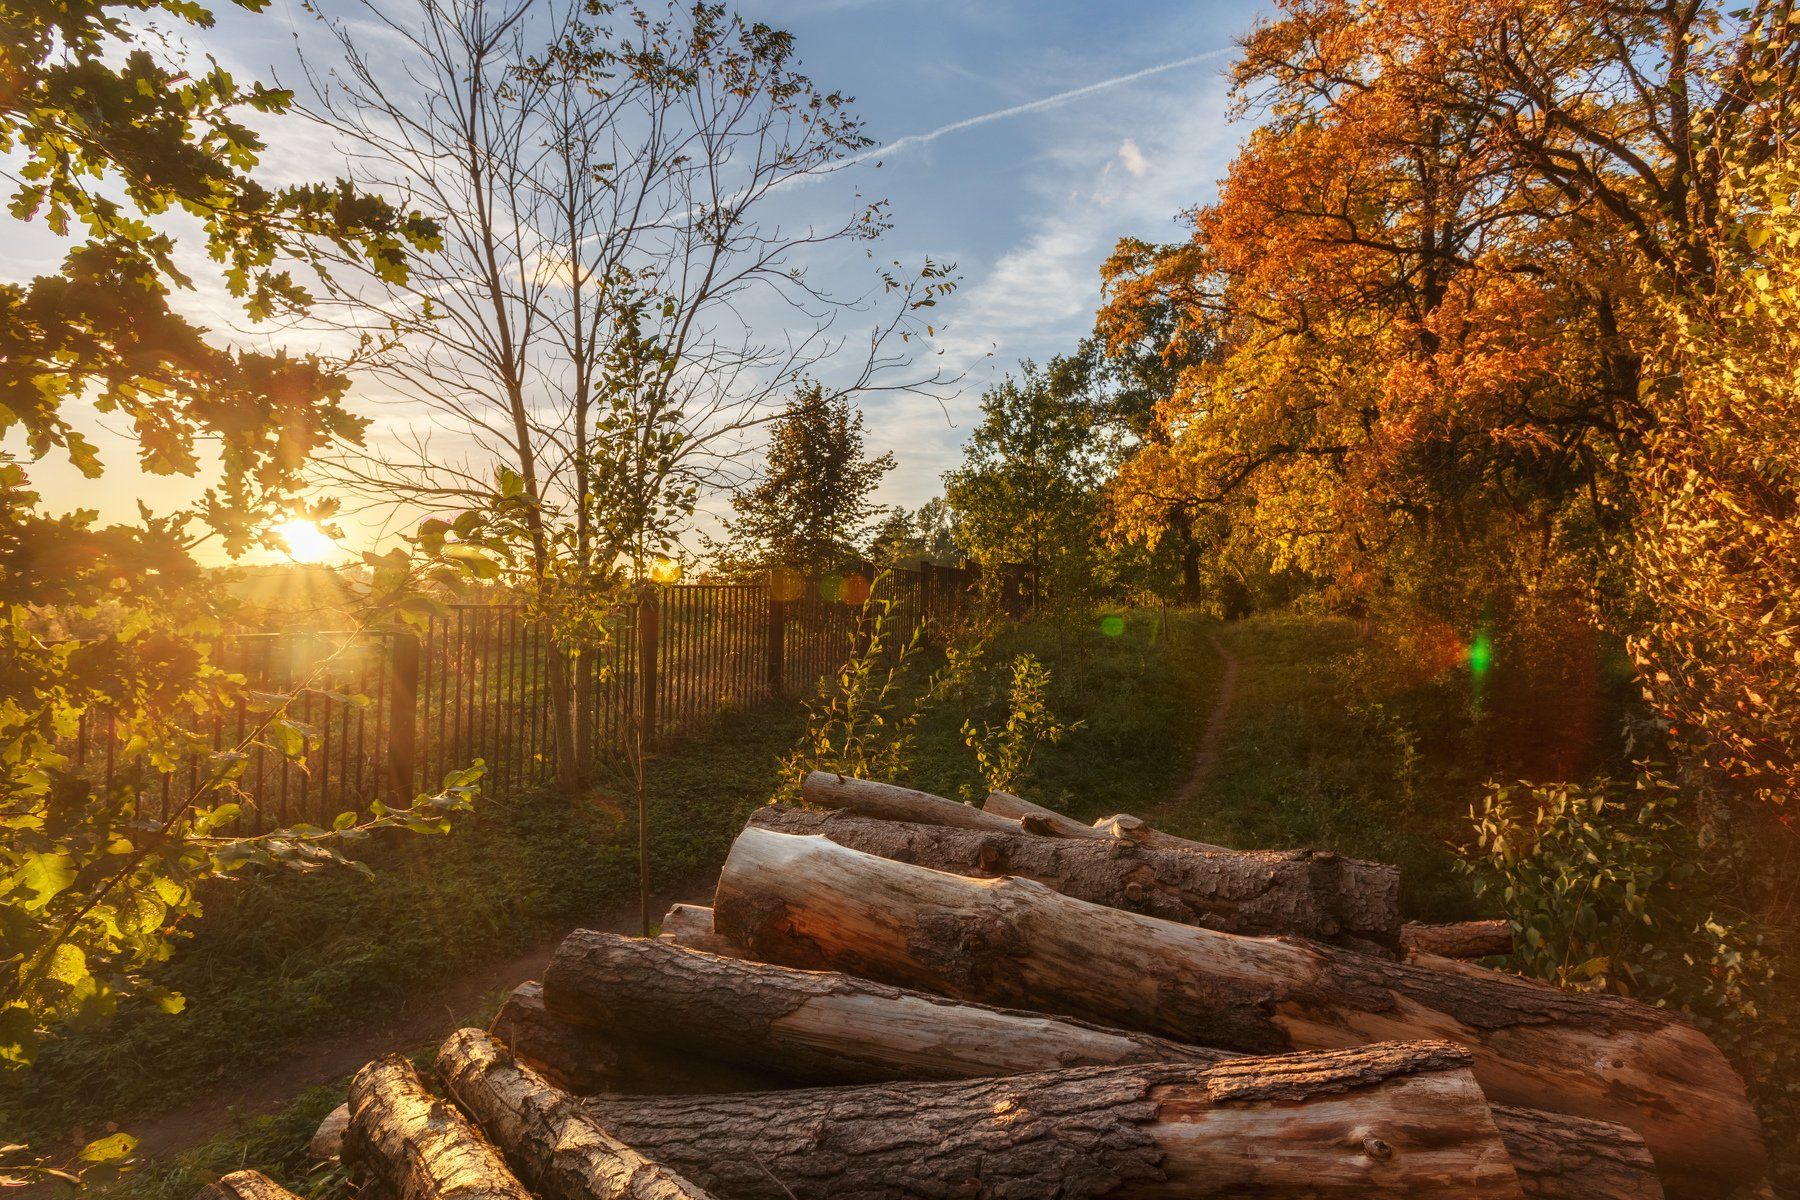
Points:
(415, 1145)
(821, 1027)
(244, 1185)
(1394, 1121)
(1314, 895)
(576, 1057)
(1035, 818)
(1459, 939)
(818, 1026)
(559, 1149)
(1559, 1157)
(806, 901)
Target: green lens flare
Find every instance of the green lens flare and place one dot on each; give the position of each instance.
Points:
(1481, 655)
(1112, 625)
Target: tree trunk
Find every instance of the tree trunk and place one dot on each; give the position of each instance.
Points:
(821, 1027)
(560, 1150)
(244, 1185)
(691, 925)
(1559, 1157)
(1274, 892)
(887, 802)
(577, 1057)
(1389, 1121)
(1035, 818)
(1459, 939)
(415, 1145)
(816, 1026)
(806, 901)
(564, 739)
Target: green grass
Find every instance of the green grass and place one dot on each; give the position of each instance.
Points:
(281, 961)
(1334, 740)
(287, 958)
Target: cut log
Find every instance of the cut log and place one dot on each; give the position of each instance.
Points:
(1391, 1121)
(888, 802)
(580, 1059)
(1035, 818)
(1560, 1157)
(1296, 892)
(817, 1026)
(1459, 939)
(559, 1149)
(415, 1145)
(691, 925)
(823, 1027)
(244, 1185)
(328, 1139)
(805, 901)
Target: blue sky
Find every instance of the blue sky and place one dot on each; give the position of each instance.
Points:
(1026, 204)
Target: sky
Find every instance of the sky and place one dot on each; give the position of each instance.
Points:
(1018, 139)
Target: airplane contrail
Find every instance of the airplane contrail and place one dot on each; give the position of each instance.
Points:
(919, 139)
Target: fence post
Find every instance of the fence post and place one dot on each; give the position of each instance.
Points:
(403, 715)
(776, 634)
(927, 576)
(649, 632)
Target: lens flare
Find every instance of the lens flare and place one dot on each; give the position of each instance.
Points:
(1112, 625)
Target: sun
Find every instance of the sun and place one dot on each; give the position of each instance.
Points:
(306, 542)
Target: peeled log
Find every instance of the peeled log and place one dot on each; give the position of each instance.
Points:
(578, 1058)
(415, 1145)
(822, 1027)
(1035, 818)
(1459, 939)
(244, 1185)
(805, 901)
(1296, 892)
(888, 802)
(1391, 1121)
(691, 925)
(560, 1149)
(818, 1026)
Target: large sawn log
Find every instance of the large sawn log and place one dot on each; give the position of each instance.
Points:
(1458, 939)
(1391, 1121)
(560, 1149)
(816, 1026)
(823, 1027)
(1314, 895)
(416, 1146)
(805, 901)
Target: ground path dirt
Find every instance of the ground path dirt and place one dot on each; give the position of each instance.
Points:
(1206, 758)
(332, 1056)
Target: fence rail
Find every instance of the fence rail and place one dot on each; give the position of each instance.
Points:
(390, 712)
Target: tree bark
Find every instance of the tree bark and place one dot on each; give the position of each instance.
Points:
(1295, 892)
(817, 1026)
(1035, 818)
(415, 1145)
(244, 1185)
(575, 1056)
(1559, 1157)
(805, 901)
(887, 802)
(1390, 1121)
(560, 1150)
(1459, 939)
(822, 1027)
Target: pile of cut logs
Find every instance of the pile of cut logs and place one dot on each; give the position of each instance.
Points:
(895, 995)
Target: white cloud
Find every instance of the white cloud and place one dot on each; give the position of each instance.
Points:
(1132, 159)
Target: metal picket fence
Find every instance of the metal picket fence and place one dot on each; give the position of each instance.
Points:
(391, 712)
